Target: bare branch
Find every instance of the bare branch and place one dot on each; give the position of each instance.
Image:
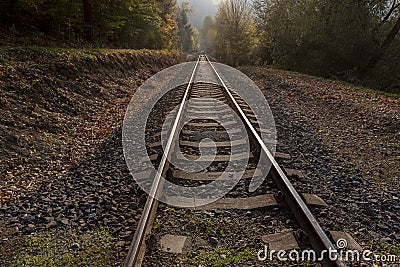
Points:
(392, 34)
(395, 5)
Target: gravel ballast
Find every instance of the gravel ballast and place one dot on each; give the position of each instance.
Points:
(78, 191)
(67, 197)
(347, 142)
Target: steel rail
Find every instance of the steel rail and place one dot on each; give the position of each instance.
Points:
(134, 249)
(318, 238)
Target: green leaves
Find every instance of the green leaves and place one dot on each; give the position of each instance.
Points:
(330, 38)
(185, 30)
(236, 38)
(119, 23)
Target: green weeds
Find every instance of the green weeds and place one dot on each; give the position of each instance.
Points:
(220, 257)
(66, 248)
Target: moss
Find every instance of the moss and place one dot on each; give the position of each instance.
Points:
(36, 54)
(67, 248)
(219, 257)
(382, 248)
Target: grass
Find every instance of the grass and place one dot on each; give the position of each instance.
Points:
(385, 248)
(243, 257)
(220, 257)
(341, 84)
(386, 251)
(349, 86)
(66, 248)
(37, 54)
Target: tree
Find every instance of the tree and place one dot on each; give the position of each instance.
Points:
(169, 26)
(208, 35)
(88, 20)
(343, 38)
(185, 30)
(120, 23)
(236, 32)
(317, 36)
(390, 37)
(196, 40)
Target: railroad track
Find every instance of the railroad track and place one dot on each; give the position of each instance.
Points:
(204, 110)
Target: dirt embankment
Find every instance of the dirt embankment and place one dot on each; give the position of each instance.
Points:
(56, 105)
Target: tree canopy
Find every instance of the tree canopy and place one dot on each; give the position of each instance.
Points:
(236, 37)
(353, 40)
(343, 38)
(152, 24)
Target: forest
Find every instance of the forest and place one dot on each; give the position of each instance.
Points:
(133, 24)
(351, 40)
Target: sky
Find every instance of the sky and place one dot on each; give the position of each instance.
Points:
(201, 9)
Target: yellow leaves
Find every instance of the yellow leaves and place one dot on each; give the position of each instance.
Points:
(170, 23)
(168, 31)
(236, 31)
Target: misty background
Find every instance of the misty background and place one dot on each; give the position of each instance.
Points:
(201, 9)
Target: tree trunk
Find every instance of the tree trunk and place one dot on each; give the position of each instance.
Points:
(385, 45)
(88, 21)
(389, 39)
